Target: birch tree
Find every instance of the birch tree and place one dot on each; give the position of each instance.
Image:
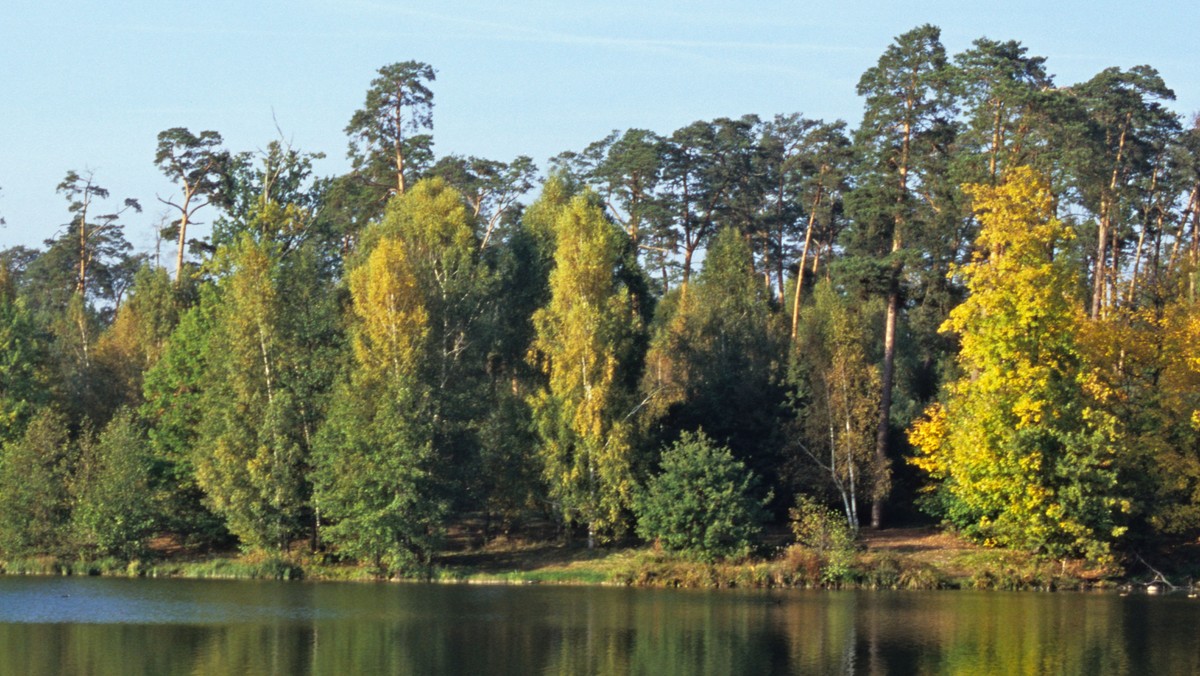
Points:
(583, 343)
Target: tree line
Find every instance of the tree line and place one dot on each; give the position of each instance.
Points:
(978, 306)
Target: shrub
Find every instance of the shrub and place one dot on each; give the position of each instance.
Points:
(827, 533)
(701, 503)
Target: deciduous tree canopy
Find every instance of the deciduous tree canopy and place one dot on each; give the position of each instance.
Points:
(993, 276)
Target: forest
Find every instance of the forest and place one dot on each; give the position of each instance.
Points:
(977, 309)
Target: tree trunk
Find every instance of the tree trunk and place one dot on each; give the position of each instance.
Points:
(688, 251)
(398, 147)
(883, 469)
(812, 218)
(183, 224)
(1100, 282)
(1100, 264)
(1151, 204)
(888, 368)
(1183, 223)
(996, 138)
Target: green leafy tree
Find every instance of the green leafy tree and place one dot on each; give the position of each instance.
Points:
(374, 458)
(277, 179)
(1023, 456)
(114, 509)
(506, 478)
(436, 228)
(21, 389)
(135, 340)
(73, 289)
(491, 188)
(35, 505)
(523, 269)
(822, 530)
(701, 502)
(173, 405)
(1164, 416)
(715, 362)
(837, 396)
(249, 457)
(585, 336)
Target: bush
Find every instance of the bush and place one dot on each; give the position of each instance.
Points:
(700, 504)
(827, 533)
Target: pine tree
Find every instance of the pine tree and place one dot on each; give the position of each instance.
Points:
(905, 122)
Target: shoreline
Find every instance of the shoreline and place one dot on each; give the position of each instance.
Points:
(898, 559)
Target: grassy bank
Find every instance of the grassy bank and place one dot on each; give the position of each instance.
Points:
(896, 559)
(901, 559)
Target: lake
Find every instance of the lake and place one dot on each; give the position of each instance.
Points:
(144, 626)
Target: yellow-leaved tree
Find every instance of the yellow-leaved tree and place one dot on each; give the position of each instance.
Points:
(1022, 456)
(372, 474)
(584, 339)
(1147, 364)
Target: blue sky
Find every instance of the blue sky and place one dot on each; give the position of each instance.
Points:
(88, 85)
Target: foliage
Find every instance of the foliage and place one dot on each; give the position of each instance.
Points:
(827, 533)
(20, 356)
(902, 208)
(197, 164)
(137, 337)
(390, 143)
(584, 338)
(701, 501)
(1006, 93)
(490, 188)
(374, 456)
(173, 404)
(272, 195)
(370, 358)
(714, 362)
(249, 454)
(1024, 459)
(114, 509)
(836, 395)
(35, 505)
(454, 283)
(95, 243)
(1145, 363)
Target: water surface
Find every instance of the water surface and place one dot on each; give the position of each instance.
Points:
(120, 626)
